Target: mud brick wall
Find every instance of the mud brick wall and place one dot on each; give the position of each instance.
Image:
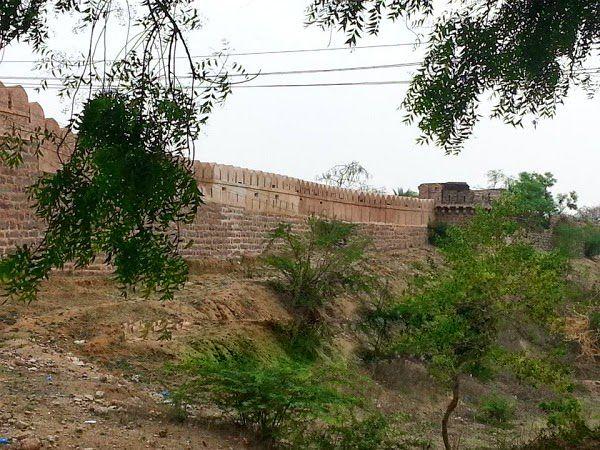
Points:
(242, 206)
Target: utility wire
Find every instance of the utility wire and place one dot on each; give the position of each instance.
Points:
(266, 52)
(350, 83)
(281, 72)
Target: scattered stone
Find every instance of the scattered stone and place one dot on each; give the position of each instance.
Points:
(100, 410)
(79, 342)
(31, 443)
(21, 425)
(89, 397)
(99, 394)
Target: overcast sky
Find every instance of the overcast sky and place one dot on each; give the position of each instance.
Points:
(301, 132)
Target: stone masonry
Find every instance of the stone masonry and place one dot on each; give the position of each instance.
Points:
(455, 202)
(242, 206)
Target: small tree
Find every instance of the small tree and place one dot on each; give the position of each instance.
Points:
(319, 263)
(349, 176)
(452, 315)
(405, 192)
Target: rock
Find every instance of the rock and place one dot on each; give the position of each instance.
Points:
(99, 394)
(31, 443)
(79, 342)
(21, 425)
(89, 397)
(100, 410)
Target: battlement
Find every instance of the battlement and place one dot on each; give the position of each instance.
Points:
(266, 192)
(243, 205)
(19, 115)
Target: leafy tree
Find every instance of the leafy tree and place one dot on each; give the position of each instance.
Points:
(319, 263)
(496, 179)
(590, 214)
(405, 192)
(452, 314)
(128, 184)
(349, 176)
(526, 54)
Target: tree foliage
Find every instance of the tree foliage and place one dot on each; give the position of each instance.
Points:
(452, 314)
(319, 263)
(526, 54)
(349, 176)
(129, 183)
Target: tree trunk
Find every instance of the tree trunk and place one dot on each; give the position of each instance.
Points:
(449, 410)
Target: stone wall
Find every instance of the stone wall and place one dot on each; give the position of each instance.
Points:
(242, 206)
(455, 202)
(19, 117)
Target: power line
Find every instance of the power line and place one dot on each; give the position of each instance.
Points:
(263, 52)
(350, 83)
(235, 86)
(281, 72)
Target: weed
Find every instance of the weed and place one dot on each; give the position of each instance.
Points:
(370, 433)
(495, 410)
(563, 413)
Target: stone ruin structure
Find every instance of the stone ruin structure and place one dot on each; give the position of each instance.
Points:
(242, 206)
(455, 202)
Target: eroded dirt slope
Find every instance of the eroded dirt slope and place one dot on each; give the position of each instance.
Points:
(83, 367)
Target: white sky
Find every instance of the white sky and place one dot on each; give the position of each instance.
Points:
(301, 132)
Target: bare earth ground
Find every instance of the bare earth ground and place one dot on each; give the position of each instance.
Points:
(83, 367)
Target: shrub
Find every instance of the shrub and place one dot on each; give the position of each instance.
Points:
(319, 263)
(564, 413)
(591, 243)
(267, 397)
(379, 322)
(578, 437)
(437, 232)
(300, 341)
(594, 320)
(495, 410)
(370, 433)
(575, 240)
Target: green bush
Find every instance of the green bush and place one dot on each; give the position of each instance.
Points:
(267, 397)
(495, 410)
(564, 413)
(302, 341)
(437, 232)
(591, 243)
(379, 322)
(318, 264)
(575, 240)
(594, 318)
(370, 433)
(578, 436)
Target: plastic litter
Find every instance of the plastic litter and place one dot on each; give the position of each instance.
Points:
(91, 422)
(4, 441)
(165, 394)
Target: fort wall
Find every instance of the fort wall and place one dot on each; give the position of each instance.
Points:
(242, 206)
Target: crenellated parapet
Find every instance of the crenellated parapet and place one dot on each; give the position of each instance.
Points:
(243, 206)
(266, 192)
(27, 119)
